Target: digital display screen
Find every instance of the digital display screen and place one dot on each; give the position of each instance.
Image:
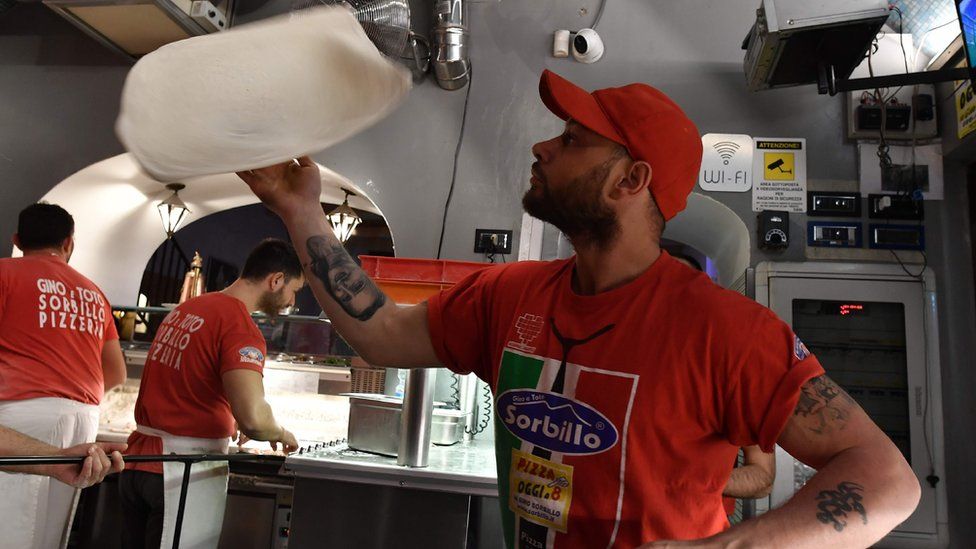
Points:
(842, 308)
(967, 20)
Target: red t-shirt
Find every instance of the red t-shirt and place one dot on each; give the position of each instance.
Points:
(181, 391)
(618, 415)
(53, 325)
(729, 505)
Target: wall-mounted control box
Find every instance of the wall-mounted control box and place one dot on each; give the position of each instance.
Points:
(894, 206)
(834, 234)
(833, 204)
(896, 237)
(774, 229)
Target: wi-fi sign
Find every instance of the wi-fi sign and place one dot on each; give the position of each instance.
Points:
(726, 150)
(726, 162)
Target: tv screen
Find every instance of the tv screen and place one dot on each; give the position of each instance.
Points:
(967, 20)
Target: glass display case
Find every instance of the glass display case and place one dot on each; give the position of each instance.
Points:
(307, 369)
(290, 338)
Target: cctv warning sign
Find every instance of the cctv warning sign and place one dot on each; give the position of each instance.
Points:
(780, 168)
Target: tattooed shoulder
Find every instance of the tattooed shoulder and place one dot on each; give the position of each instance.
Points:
(823, 406)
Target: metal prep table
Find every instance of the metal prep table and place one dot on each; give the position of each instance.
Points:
(347, 498)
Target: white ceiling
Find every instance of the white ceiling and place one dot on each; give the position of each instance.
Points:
(117, 225)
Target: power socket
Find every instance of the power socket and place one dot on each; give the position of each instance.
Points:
(485, 239)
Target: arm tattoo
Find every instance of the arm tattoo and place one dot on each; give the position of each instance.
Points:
(835, 504)
(343, 279)
(825, 405)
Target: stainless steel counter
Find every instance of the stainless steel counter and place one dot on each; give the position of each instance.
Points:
(465, 468)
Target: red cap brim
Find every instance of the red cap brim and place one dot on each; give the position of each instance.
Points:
(569, 101)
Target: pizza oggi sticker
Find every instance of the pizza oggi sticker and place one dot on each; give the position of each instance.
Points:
(540, 490)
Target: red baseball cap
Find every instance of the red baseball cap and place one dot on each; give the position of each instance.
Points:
(648, 123)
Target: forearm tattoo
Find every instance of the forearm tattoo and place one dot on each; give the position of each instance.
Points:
(824, 406)
(343, 279)
(834, 505)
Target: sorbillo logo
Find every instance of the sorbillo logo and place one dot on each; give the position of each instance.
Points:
(556, 423)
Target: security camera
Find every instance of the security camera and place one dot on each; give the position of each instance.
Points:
(587, 46)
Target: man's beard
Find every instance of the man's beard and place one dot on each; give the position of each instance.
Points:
(577, 209)
(271, 303)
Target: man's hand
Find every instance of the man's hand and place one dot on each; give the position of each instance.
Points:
(94, 469)
(288, 188)
(287, 440)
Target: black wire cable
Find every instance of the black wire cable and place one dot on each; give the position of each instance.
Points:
(901, 42)
(920, 275)
(456, 390)
(957, 88)
(485, 412)
(599, 14)
(457, 155)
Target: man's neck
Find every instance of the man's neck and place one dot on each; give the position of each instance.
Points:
(246, 292)
(56, 252)
(601, 269)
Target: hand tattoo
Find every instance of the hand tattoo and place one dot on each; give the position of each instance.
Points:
(835, 504)
(819, 403)
(343, 279)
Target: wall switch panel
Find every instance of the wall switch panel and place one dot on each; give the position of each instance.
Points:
(833, 204)
(896, 237)
(893, 206)
(834, 234)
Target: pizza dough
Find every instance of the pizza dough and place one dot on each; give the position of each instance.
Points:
(256, 95)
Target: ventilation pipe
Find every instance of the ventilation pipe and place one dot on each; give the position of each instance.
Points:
(450, 60)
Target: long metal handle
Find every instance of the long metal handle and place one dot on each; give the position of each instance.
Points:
(182, 506)
(8, 461)
(186, 459)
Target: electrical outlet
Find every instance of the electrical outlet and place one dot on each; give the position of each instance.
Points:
(492, 241)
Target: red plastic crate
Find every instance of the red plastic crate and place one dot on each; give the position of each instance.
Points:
(410, 280)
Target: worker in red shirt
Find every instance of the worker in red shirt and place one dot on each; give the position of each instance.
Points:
(623, 386)
(59, 353)
(203, 373)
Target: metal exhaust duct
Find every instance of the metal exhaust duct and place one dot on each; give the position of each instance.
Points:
(450, 57)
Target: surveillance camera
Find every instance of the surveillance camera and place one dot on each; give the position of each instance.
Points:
(587, 46)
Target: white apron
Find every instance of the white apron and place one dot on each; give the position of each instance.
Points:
(203, 516)
(37, 511)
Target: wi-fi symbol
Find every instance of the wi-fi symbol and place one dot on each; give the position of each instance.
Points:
(726, 150)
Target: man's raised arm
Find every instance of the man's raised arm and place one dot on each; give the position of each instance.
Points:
(382, 333)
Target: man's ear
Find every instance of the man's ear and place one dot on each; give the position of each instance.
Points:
(276, 281)
(637, 179)
(15, 239)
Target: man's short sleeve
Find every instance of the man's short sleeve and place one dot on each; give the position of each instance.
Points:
(765, 391)
(241, 350)
(458, 321)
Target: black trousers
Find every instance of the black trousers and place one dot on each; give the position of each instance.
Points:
(142, 509)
